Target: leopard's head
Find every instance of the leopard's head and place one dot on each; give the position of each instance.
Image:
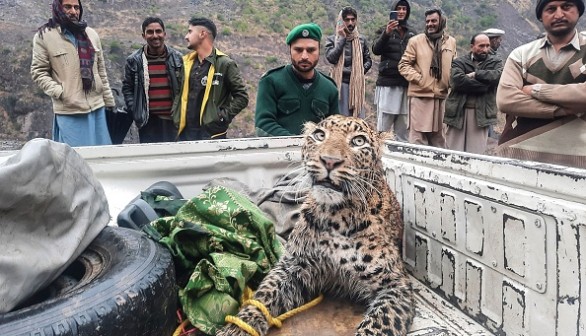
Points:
(342, 158)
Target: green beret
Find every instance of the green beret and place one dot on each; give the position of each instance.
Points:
(306, 30)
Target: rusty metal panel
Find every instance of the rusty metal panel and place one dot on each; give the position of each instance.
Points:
(582, 275)
(512, 257)
(421, 208)
(569, 301)
(448, 217)
(515, 244)
(448, 269)
(474, 273)
(474, 227)
(514, 306)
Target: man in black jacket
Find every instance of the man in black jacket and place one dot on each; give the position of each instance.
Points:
(471, 104)
(348, 51)
(152, 76)
(391, 87)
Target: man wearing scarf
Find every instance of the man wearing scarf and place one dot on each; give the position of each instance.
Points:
(347, 50)
(426, 64)
(68, 65)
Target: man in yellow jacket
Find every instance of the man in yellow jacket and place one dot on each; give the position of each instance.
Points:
(68, 65)
(213, 91)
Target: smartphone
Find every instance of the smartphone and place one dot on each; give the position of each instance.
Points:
(393, 15)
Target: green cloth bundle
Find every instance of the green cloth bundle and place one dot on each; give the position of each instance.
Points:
(221, 242)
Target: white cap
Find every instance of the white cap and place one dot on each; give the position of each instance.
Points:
(493, 32)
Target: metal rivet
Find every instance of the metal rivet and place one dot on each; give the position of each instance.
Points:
(494, 264)
(433, 234)
(538, 223)
(539, 286)
(504, 198)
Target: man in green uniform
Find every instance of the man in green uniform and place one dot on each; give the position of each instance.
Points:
(290, 95)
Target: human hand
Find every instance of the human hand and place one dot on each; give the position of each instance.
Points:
(341, 30)
(223, 115)
(392, 25)
(471, 75)
(527, 89)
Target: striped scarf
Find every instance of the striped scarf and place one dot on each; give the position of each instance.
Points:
(357, 80)
(85, 49)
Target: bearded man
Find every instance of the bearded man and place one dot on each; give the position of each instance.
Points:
(471, 104)
(348, 51)
(68, 65)
(426, 65)
(290, 95)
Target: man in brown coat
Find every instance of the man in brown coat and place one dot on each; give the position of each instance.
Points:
(542, 91)
(426, 64)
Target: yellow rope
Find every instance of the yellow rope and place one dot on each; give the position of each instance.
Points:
(305, 307)
(272, 321)
(179, 329)
(241, 324)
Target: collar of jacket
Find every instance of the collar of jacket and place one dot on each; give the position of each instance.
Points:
(190, 58)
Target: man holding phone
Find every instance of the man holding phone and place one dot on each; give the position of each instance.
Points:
(347, 50)
(391, 87)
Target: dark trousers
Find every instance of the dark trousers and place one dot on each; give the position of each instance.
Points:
(157, 130)
(191, 133)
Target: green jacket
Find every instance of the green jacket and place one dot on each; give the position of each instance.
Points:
(226, 91)
(283, 105)
(482, 87)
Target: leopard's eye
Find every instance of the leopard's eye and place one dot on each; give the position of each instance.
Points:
(319, 135)
(359, 140)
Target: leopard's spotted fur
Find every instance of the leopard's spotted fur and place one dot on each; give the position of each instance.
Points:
(346, 242)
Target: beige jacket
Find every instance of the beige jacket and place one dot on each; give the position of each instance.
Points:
(415, 67)
(55, 69)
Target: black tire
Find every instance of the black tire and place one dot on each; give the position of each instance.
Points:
(123, 284)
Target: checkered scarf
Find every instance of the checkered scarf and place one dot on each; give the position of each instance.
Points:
(85, 49)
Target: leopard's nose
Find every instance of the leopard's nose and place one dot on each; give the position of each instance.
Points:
(331, 162)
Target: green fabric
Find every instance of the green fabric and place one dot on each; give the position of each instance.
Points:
(306, 30)
(283, 105)
(221, 242)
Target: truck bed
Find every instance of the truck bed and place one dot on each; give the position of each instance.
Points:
(495, 246)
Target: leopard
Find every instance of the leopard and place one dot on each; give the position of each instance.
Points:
(347, 240)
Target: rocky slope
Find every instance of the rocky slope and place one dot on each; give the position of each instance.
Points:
(251, 31)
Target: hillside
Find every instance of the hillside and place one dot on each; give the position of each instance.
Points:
(251, 31)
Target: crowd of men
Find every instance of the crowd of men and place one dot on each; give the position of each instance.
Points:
(425, 93)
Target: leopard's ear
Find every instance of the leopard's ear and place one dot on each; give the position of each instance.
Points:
(309, 127)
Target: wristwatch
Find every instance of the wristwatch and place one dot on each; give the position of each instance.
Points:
(535, 89)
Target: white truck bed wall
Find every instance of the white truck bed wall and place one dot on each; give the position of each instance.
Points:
(126, 170)
(504, 241)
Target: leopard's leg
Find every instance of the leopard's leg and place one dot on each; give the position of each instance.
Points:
(284, 288)
(391, 311)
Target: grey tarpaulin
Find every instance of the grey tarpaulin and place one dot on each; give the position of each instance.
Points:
(280, 203)
(51, 208)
